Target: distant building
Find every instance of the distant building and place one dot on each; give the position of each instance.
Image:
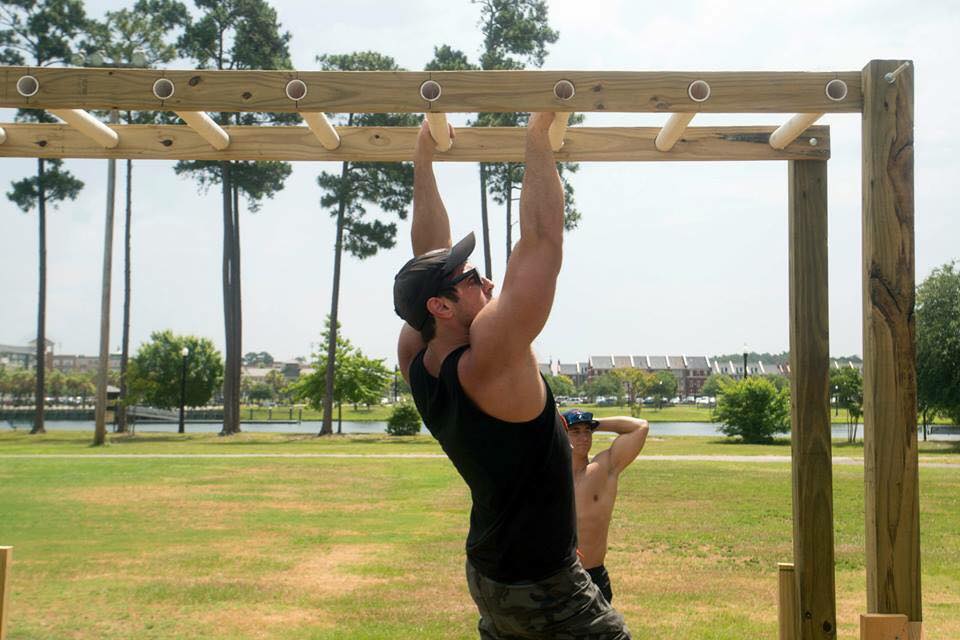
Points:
(83, 364)
(24, 357)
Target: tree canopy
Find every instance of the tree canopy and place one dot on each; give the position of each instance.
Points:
(155, 372)
(938, 344)
(753, 409)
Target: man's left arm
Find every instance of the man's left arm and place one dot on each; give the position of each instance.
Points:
(627, 445)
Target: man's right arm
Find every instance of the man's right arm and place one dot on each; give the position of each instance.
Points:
(632, 434)
(430, 229)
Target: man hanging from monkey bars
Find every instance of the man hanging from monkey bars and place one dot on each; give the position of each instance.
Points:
(476, 383)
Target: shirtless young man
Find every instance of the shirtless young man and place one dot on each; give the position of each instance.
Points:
(595, 483)
(476, 383)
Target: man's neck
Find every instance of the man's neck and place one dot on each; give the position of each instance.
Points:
(442, 345)
(580, 462)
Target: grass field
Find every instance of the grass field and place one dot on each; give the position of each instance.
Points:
(326, 548)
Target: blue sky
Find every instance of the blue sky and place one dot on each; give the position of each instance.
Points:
(669, 258)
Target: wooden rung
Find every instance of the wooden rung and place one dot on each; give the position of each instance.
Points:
(206, 128)
(792, 128)
(883, 626)
(672, 131)
(558, 130)
(787, 609)
(322, 128)
(6, 558)
(89, 126)
(439, 130)
(396, 144)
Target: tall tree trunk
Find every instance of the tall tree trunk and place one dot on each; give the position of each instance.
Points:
(41, 351)
(227, 273)
(103, 365)
(237, 310)
(328, 389)
(487, 264)
(125, 340)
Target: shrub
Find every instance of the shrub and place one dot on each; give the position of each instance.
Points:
(404, 421)
(753, 409)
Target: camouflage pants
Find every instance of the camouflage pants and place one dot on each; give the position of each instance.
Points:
(564, 606)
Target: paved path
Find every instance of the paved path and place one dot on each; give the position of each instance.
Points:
(839, 460)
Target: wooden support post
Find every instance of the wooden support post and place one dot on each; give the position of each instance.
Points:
(889, 345)
(792, 128)
(558, 129)
(787, 609)
(672, 131)
(206, 128)
(322, 128)
(810, 402)
(6, 558)
(883, 626)
(89, 126)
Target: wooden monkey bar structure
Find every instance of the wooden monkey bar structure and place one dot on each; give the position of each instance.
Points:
(882, 93)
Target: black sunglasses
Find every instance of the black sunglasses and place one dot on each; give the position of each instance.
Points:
(473, 275)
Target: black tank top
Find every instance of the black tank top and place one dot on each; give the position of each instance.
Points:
(523, 524)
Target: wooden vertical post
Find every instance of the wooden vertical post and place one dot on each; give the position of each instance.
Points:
(787, 609)
(6, 557)
(889, 345)
(810, 406)
(883, 626)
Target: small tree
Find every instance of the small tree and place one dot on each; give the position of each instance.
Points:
(260, 392)
(715, 384)
(404, 420)
(155, 372)
(938, 345)
(753, 409)
(635, 381)
(663, 386)
(357, 378)
(849, 385)
(560, 385)
(603, 385)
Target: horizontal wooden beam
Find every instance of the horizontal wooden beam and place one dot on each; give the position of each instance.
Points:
(394, 144)
(461, 91)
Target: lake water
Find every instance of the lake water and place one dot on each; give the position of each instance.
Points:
(656, 428)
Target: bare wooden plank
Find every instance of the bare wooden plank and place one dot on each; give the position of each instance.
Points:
(488, 144)
(889, 345)
(883, 626)
(6, 559)
(462, 91)
(787, 609)
(810, 402)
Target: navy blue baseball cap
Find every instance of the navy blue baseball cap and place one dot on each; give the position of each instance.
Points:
(423, 277)
(575, 416)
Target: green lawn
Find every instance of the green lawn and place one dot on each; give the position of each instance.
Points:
(78, 443)
(329, 548)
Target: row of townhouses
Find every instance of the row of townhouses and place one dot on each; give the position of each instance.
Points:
(691, 371)
(25, 357)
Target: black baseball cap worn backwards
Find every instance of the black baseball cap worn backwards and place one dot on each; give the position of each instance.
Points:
(423, 277)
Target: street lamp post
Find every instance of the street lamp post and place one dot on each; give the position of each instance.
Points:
(745, 373)
(184, 354)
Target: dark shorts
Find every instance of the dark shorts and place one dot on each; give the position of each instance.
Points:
(601, 578)
(564, 606)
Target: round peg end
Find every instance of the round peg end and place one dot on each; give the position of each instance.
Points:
(430, 90)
